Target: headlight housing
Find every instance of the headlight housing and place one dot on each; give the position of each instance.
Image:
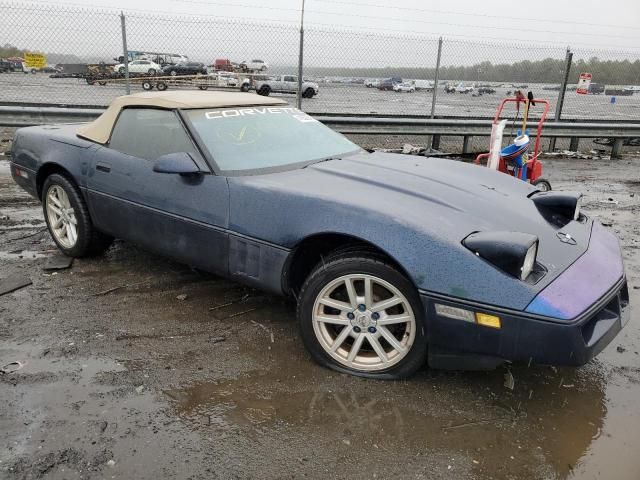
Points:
(566, 204)
(512, 252)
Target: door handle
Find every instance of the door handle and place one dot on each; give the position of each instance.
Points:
(103, 167)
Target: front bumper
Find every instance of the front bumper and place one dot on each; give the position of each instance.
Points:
(526, 338)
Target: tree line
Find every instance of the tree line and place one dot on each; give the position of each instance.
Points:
(548, 70)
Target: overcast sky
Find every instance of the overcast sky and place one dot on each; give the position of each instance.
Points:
(339, 33)
(607, 24)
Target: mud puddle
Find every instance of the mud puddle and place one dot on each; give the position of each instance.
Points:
(542, 429)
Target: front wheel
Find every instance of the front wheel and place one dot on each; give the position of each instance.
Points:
(68, 219)
(161, 86)
(358, 314)
(151, 71)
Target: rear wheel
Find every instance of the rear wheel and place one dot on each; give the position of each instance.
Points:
(308, 93)
(68, 219)
(244, 87)
(161, 86)
(265, 90)
(121, 70)
(146, 85)
(151, 71)
(173, 73)
(358, 314)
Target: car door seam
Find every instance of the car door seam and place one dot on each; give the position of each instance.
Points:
(191, 220)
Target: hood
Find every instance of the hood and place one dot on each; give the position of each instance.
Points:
(458, 198)
(445, 199)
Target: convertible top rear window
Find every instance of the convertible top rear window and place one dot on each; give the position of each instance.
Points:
(265, 138)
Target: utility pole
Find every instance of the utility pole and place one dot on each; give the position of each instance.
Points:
(125, 53)
(300, 54)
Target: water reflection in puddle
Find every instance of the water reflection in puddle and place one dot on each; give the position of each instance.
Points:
(542, 428)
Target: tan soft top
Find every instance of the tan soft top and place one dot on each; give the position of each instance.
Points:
(100, 129)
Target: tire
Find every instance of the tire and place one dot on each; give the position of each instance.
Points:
(265, 90)
(147, 85)
(318, 336)
(88, 241)
(161, 86)
(308, 93)
(173, 73)
(90, 81)
(151, 71)
(121, 71)
(203, 87)
(543, 184)
(244, 87)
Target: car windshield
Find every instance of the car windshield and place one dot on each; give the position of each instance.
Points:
(266, 138)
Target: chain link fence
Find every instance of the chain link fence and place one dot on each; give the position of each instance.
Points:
(611, 93)
(350, 69)
(348, 72)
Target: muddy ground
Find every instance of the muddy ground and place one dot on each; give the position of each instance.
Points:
(132, 366)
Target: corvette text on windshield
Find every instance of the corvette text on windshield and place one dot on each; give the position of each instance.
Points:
(241, 112)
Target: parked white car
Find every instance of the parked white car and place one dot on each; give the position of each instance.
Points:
(286, 84)
(423, 84)
(139, 66)
(404, 87)
(255, 66)
(371, 83)
(217, 80)
(462, 88)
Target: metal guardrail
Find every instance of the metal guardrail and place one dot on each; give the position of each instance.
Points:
(462, 127)
(12, 116)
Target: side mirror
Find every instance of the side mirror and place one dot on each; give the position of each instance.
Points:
(180, 163)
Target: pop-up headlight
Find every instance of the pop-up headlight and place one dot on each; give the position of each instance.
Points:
(565, 203)
(512, 252)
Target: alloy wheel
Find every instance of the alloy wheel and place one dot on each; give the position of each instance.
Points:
(364, 322)
(62, 217)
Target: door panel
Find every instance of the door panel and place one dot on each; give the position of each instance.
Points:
(185, 218)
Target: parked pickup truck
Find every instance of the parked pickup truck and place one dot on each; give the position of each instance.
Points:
(285, 84)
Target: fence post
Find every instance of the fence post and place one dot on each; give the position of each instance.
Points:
(300, 52)
(563, 89)
(125, 52)
(435, 142)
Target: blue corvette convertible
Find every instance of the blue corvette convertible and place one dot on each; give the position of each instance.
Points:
(393, 260)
